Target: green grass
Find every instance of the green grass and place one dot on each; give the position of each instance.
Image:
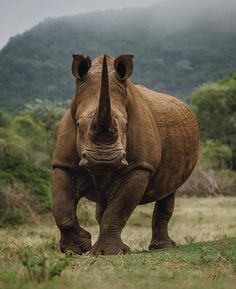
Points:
(204, 258)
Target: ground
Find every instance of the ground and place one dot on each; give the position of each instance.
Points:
(205, 231)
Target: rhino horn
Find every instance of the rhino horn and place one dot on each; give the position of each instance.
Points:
(104, 115)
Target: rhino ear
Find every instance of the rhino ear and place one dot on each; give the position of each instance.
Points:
(80, 66)
(124, 66)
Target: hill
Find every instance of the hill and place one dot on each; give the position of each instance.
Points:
(177, 46)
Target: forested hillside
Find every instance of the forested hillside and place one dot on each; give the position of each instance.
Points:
(175, 49)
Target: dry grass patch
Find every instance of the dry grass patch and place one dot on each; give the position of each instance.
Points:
(30, 257)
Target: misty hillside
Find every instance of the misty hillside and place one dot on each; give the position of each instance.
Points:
(177, 46)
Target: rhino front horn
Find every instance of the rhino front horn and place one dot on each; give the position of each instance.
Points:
(104, 116)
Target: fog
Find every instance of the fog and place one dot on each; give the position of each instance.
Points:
(17, 16)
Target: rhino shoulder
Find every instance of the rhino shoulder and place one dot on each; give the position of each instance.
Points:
(167, 110)
(66, 153)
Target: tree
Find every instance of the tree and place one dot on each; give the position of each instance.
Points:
(47, 114)
(215, 107)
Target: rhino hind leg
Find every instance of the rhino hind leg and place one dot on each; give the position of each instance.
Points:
(162, 213)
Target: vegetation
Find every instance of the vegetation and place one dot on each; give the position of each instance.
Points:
(26, 148)
(29, 257)
(174, 51)
(215, 107)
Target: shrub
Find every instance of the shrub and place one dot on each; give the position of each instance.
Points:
(205, 182)
(15, 205)
(215, 107)
(216, 155)
(38, 267)
(4, 119)
(24, 169)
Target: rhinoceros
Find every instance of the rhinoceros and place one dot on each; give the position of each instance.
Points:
(119, 145)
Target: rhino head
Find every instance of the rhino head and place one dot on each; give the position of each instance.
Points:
(99, 110)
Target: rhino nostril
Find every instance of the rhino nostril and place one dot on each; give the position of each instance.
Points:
(124, 155)
(83, 162)
(84, 155)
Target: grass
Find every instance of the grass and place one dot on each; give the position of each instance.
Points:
(204, 229)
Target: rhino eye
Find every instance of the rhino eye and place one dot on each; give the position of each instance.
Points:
(125, 126)
(80, 128)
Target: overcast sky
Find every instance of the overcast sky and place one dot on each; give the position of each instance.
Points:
(16, 16)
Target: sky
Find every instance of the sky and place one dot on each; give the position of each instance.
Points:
(17, 16)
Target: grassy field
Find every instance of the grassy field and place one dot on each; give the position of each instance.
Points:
(205, 230)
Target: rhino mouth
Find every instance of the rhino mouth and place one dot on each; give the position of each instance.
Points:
(103, 159)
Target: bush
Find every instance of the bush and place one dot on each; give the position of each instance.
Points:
(215, 107)
(39, 268)
(215, 155)
(24, 169)
(205, 182)
(4, 119)
(15, 205)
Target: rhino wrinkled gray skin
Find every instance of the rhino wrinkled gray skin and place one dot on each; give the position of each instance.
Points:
(119, 145)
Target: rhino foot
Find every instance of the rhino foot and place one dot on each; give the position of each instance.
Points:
(161, 244)
(109, 247)
(74, 242)
(72, 249)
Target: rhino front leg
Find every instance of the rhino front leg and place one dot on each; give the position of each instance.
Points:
(162, 213)
(73, 237)
(119, 208)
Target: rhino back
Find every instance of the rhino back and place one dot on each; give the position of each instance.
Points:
(179, 137)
